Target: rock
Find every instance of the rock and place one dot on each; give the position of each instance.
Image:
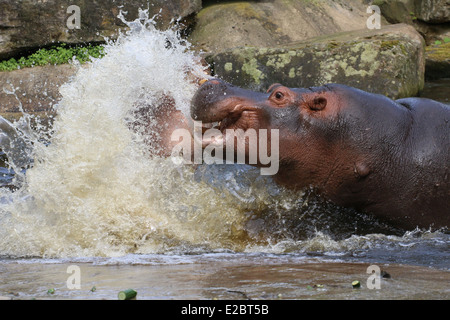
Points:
(431, 18)
(30, 24)
(437, 61)
(433, 11)
(36, 89)
(272, 23)
(433, 32)
(397, 11)
(389, 61)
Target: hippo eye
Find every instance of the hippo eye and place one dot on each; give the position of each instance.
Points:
(279, 95)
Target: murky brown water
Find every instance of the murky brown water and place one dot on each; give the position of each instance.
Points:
(222, 277)
(437, 90)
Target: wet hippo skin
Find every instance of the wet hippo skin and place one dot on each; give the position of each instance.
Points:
(357, 149)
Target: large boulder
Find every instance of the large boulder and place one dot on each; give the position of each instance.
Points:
(431, 11)
(224, 25)
(28, 24)
(434, 11)
(430, 17)
(397, 11)
(389, 61)
(33, 89)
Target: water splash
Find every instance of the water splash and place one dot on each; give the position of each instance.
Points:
(94, 190)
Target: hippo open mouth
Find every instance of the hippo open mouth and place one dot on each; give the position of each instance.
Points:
(222, 118)
(240, 119)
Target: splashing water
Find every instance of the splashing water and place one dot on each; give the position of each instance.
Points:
(95, 191)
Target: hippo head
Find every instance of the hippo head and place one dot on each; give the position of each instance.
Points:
(324, 133)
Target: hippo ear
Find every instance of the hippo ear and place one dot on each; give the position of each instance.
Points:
(318, 103)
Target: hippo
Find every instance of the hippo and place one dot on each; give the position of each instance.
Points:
(155, 122)
(354, 148)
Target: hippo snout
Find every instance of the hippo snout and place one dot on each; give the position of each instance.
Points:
(216, 99)
(207, 96)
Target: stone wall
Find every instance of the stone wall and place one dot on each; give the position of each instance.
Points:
(29, 24)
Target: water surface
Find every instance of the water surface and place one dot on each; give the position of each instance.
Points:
(95, 196)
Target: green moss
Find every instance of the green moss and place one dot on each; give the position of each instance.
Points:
(347, 61)
(280, 60)
(356, 47)
(292, 73)
(246, 61)
(438, 52)
(389, 44)
(251, 68)
(55, 55)
(378, 2)
(332, 45)
(228, 66)
(369, 54)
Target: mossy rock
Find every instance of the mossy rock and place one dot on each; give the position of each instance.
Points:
(433, 11)
(407, 11)
(390, 62)
(437, 61)
(397, 11)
